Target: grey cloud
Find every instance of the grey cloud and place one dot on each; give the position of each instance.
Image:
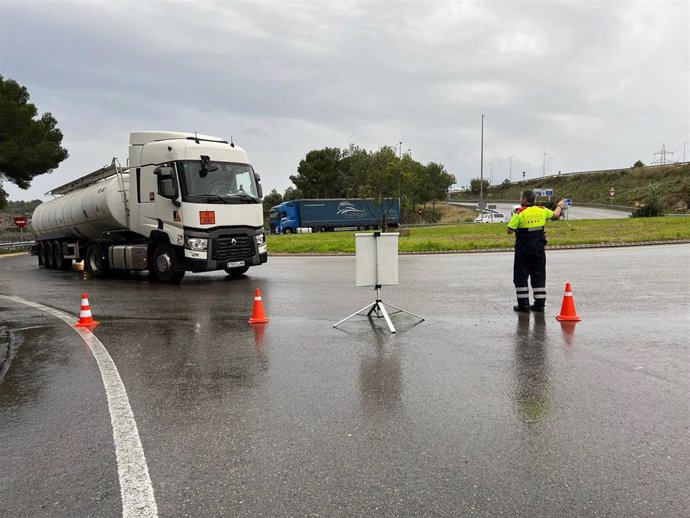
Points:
(285, 77)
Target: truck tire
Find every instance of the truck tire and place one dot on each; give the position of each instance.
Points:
(288, 230)
(42, 254)
(60, 262)
(236, 272)
(163, 264)
(50, 255)
(94, 261)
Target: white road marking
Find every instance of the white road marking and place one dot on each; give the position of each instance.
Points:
(136, 490)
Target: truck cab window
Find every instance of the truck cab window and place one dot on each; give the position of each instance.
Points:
(218, 182)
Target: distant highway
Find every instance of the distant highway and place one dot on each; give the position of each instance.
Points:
(574, 212)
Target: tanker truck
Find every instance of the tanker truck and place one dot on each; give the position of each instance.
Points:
(183, 203)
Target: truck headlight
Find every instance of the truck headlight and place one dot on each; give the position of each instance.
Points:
(260, 239)
(197, 243)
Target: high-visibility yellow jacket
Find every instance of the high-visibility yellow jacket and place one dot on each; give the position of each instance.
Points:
(532, 217)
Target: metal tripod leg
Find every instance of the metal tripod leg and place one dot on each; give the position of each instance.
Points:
(380, 308)
(401, 310)
(356, 313)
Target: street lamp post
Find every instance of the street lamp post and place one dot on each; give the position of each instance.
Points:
(543, 168)
(400, 178)
(481, 176)
(510, 170)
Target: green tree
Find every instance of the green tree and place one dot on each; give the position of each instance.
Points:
(292, 194)
(271, 200)
(29, 146)
(355, 167)
(475, 184)
(22, 208)
(438, 182)
(318, 175)
(383, 178)
(382, 181)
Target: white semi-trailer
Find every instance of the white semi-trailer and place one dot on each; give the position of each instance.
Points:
(184, 202)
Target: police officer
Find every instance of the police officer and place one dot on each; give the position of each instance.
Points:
(527, 223)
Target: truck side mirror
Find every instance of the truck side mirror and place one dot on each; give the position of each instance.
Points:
(259, 189)
(167, 186)
(206, 165)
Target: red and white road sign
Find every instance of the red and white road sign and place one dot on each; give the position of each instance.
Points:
(20, 221)
(612, 192)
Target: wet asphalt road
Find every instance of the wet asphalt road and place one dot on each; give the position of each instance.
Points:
(476, 411)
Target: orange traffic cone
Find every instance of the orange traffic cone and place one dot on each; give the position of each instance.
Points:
(568, 313)
(85, 318)
(258, 315)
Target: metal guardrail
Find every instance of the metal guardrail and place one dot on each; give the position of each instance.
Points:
(17, 244)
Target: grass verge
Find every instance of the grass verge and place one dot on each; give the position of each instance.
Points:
(470, 237)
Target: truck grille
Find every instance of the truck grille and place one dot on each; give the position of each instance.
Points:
(233, 248)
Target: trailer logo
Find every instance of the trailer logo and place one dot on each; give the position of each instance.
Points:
(233, 242)
(347, 209)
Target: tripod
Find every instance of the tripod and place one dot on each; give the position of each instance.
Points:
(378, 309)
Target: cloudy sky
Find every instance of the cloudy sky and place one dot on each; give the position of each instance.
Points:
(564, 85)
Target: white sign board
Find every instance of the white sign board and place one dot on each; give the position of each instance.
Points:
(376, 259)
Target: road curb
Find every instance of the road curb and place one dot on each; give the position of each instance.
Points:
(492, 250)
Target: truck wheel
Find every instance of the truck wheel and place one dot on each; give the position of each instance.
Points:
(50, 255)
(42, 254)
(95, 263)
(60, 262)
(236, 272)
(288, 230)
(163, 264)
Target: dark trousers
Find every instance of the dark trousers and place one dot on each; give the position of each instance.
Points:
(529, 265)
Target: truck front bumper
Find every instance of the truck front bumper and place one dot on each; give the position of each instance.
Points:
(227, 248)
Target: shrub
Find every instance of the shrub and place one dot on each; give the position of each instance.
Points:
(652, 207)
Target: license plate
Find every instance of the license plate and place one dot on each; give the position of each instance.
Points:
(234, 264)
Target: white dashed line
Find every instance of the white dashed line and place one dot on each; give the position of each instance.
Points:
(136, 490)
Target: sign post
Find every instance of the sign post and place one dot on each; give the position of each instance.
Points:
(20, 221)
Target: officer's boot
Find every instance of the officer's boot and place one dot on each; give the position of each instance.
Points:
(539, 300)
(522, 293)
(522, 306)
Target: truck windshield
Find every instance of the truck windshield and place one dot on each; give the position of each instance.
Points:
(229, 183)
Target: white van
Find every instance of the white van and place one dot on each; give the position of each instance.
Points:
(491, 217)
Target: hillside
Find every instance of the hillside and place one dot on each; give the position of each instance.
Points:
(633, 186)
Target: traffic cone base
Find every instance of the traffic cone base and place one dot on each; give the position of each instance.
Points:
(85, 318)
(568, 313)
(258, 314)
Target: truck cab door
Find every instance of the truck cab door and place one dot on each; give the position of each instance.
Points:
(167, 204)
